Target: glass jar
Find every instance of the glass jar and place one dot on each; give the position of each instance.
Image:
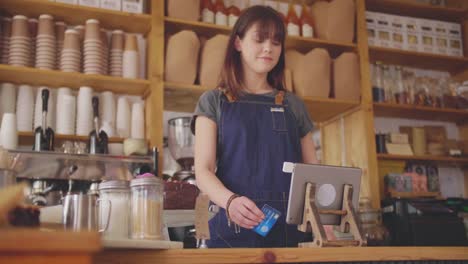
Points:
(388, 83)
(118, 194)
(370, 220)
(146, 208)
(378, 93)
(401, 93)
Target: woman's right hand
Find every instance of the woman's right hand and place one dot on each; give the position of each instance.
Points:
(245, 213)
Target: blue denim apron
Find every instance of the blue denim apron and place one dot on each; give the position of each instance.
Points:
(256, 134)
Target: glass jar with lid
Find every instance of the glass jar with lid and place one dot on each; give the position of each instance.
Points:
(118, 193)
(370, 220)
(146, 208)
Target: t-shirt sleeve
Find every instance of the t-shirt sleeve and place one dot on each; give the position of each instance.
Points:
(208, 106)
(301, 113)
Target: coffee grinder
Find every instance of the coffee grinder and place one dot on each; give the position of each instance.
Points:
(181, 143)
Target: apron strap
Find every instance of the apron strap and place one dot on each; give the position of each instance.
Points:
(279, 98)
(228, 94)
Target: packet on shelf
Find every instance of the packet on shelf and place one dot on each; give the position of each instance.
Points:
(182, 57)
(212, 58)
(346, 76)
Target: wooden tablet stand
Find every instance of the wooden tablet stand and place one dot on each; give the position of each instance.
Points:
(311, 221)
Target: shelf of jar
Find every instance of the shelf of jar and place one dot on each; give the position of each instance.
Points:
(415, 59)
(183, 98)
(439, 159)
(412, 9)
(55, 79)
(420, 112)
(27, 138)
(301, 44)
(109, 19)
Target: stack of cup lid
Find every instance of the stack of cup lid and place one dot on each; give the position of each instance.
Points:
(60, 28)
(105, 52)
(33, 24)
(20, 42)
(131, 58)
(70, 59)
(84, 112)
(5, 39)
(93, 55)
(45, 43)
(116, 53)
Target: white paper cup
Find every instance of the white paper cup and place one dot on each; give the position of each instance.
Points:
(8, 131)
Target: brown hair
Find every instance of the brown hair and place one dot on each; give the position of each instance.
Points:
(271, 25)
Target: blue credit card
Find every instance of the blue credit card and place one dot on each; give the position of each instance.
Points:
(271, 216)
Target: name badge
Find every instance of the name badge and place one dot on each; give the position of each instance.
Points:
(277, 109)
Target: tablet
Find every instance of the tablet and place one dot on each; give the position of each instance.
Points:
(330, 182)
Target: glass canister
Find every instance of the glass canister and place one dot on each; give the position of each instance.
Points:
(118, 193)
(371, 225)
(146, 208)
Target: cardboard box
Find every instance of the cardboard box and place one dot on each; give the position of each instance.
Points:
(399, 40)
(413, 35)
(427, 35)
(112, 4)
(90, 3)
(384, 30)
(455, 40)
(441, 37)
(134, 6)
(371, 28)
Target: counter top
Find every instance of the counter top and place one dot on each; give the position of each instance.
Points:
(281, 255)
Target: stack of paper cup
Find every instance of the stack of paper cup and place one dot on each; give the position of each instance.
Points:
(131, 59)
(93, 59)
(66, 112)
(60, 28)
(116, 53)
(70, 59)
(81, 32)
(138, 121)
(123, 117)
(7, 98)
(5, 39)
(8, 132)
(25, 108)
(33, 24)
(46, 43)
(20, 42)
(50, 108)
(107, 108)
(105, 52)
(84, 115)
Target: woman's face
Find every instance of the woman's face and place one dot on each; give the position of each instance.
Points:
(259, 53)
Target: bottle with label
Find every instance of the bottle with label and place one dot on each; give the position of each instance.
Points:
(234, 13)
(307, 25)
(293, 23)
(208, 11)
(221, 15)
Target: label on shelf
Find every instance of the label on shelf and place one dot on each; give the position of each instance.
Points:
(133, 6)
(72, 2)
(112, 4)
(384, 30)
(413, 33)
(398, 29)
(427, 35)
(208, 16)
(455, 40)
(441, 37)
(90, 3)
(371, 28)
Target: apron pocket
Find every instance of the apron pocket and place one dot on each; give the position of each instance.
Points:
(278, 119)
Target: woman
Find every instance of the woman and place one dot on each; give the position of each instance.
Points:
(245, 130)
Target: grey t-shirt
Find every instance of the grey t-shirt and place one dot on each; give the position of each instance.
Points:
(209, 105)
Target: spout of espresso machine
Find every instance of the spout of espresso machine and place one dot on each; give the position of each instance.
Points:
(44, 135)
(98, 140)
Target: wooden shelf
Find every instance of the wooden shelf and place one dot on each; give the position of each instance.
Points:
(183, 98)
(299, 43)
(418, 59)
(27, 138)
(420, 112)
(413, 194)
(54, 79)
(440, 159)
(412, 9)
(76, 15)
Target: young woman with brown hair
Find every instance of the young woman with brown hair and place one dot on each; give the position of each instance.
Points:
(244, 131)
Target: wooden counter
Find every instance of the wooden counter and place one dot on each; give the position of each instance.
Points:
(281, 255)
(27, 246)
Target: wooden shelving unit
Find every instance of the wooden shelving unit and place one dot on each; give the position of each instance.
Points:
(420, 112)
(55, 79)
(439, 159)
(412, 9)
(299, 43)
(418, 59)
(180, 97)
(412, 195)
(135, 23)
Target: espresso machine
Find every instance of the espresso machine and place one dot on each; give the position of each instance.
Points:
(181, 142)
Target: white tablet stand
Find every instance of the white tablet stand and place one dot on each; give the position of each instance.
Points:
(311, 221)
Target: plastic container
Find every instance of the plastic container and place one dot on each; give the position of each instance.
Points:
(146, 210)
(118, 193)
